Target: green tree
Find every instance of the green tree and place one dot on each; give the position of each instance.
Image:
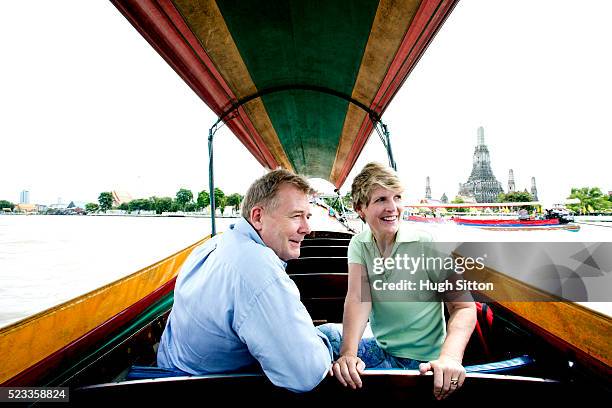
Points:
(339, 203)
(191, 207)
(220, 199)
(348, 200)
(234, 200)
(203, 199)
(140, 204)
(334, 203)
(517, 197)
(458, 200)
(91, 207)
(6, 204)
(183, 196)
(145, 204)
(124, 206)
(591, 200)
(161, 204)
(106, 201)
(222, 204)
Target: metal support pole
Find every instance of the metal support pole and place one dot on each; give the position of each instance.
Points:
(385, 138)
(388, 145)
(211, 179)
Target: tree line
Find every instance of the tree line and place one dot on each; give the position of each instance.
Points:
(592, 200)
(514, 197)
(183, 201)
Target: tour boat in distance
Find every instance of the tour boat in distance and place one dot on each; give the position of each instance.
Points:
(498, 224)
(553, 219)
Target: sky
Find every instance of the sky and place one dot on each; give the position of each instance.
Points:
(86, 105)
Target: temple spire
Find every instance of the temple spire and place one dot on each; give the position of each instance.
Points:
(511, 185)
(427, 189)
(482, 184)
(534, 190)
(480, 141)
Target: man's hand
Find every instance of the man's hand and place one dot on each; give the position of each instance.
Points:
(448, 374)
(347, 369)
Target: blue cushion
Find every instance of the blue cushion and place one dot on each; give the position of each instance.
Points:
(501, 366)
(145, 372)
(504, 366)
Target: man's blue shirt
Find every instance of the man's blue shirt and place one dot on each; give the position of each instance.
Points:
(235, 306)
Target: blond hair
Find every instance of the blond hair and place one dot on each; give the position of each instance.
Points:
(373, 174)
(264, 190)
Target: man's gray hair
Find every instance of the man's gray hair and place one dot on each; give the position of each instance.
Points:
(264, 190)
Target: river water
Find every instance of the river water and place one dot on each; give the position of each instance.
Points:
(47, 260)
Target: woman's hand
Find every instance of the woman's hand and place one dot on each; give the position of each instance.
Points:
(448, 374)
(347, 370)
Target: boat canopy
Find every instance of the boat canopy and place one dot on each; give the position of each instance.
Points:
(301, 83)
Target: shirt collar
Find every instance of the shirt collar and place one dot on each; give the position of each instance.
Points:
(245, 228)
(405, 233)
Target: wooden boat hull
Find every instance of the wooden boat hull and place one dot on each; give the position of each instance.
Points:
(74, 329)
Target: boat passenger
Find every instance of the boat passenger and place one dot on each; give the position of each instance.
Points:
(407, 334)
(235, 307)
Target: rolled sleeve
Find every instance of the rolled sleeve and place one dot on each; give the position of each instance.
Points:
(355, 252)
(279, 333)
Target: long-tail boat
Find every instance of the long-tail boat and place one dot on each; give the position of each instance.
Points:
(498, 223)
(302, 84)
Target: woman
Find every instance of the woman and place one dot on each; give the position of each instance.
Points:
(409, 333)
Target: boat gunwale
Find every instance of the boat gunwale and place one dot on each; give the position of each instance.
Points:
(391, 373)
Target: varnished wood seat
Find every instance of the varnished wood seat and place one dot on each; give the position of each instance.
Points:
(328, 250)
(325, 242)
(319, 264)
(321, 285)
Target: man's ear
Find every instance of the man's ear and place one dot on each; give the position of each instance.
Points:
(255, 217)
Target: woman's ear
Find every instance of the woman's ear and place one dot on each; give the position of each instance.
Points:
(360, 212)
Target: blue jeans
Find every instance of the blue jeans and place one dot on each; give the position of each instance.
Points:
(368, 350)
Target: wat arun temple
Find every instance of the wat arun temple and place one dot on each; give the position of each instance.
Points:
(481, 186)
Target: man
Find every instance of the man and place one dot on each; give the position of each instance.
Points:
(234, 305)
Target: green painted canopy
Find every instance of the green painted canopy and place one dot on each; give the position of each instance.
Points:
(301, 83)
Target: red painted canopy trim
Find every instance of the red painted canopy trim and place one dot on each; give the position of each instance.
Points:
(163, 27)
(219, 90)
(427, 21)
(244, 125)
